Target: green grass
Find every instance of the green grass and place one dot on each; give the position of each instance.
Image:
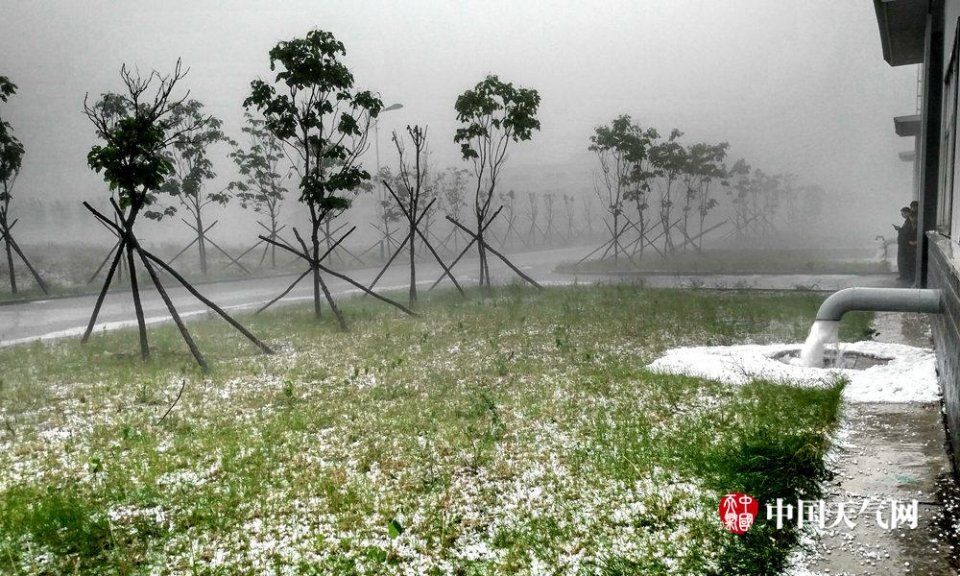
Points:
(736, 262)
(514, 434)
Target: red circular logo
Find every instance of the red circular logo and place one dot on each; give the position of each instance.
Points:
(737, 512)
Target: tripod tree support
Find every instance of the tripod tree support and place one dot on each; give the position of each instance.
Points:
(11, 159)
(473, 240)
(495, 253)
(130, 244)
(308, 271)
(426, 242)
(7, 236)
(146, 150)
(318, 267)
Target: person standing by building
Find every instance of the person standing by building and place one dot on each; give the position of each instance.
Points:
(904, 259)
(912, 242)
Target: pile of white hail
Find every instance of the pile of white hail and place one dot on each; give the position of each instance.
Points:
(909, 375)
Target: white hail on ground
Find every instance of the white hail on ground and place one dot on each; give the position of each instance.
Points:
(909, 376)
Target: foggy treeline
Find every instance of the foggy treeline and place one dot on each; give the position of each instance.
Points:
(547, 205)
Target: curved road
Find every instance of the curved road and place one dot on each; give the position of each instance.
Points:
(68, 317)
(63, 317)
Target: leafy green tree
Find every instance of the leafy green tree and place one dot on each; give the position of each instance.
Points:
(139, 129)
(11, 149)
(314, 109)
(704, 166)
(192, 169)
(261, 183)
(136, 129)
(492, 115)
(623, 148)
(11, 157)
(738, 188)
(669, 158)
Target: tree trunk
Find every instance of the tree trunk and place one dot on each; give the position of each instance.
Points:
(643, 230)
(137, 307)
(481, 249)
(273, 235)
(201, 242)
(413, 264)
(616, 236)
(700, 239)
(315, 240)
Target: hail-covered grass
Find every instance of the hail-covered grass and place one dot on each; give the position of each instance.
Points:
(512, 434)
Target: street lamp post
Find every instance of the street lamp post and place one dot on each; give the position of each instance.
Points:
(382, 199)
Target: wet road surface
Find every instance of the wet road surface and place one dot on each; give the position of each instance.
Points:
(68, 317)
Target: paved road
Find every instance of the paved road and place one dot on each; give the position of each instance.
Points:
(45, 319)
(67, 317)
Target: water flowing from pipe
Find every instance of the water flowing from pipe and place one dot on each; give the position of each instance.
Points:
(822, 333)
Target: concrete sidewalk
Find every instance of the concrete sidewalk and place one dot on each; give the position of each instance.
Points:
(890, 451)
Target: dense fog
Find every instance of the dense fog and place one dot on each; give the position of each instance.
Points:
(794, 89)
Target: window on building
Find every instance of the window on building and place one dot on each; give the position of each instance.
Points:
(946, 219)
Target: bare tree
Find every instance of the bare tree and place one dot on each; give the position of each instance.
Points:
(533, 214)
(452, 185)
(388, 214)
(413, 188)
(569, 211)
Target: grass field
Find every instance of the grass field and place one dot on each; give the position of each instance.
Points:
(760, 261)
(515, 434)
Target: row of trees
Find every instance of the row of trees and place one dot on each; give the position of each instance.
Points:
(658, 193)
(309, 123)
(529, 219)
(309, 126)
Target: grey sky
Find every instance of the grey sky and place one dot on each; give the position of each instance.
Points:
(793, 86)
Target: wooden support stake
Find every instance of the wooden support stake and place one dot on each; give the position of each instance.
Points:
(416, 229)
(173, 314)
(208, 302)
(137, 307)
(466, 248)
(285, 292)
(497, 254)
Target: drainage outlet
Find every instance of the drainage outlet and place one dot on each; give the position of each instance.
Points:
(846, 361)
